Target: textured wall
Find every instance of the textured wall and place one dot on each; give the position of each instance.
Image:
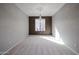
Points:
(13, 26)
(66, 21)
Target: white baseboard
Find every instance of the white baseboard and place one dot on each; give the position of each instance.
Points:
(13, 46)
(72, 50)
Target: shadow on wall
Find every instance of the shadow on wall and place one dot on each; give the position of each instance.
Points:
(57, 39)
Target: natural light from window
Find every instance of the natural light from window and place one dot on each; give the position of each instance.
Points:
(39, 24)
(57, 39)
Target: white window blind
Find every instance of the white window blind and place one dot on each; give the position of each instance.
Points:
(39, 25)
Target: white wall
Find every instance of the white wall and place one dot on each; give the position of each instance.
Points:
(13, 26)
(67, 22)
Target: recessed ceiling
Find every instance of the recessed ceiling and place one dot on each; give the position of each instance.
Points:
(35, 9)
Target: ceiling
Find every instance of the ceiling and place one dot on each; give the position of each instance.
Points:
(35, 9)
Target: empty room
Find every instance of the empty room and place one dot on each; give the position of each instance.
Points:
(39, 29)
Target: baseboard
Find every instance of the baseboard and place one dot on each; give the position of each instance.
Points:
(72, 50)
(4, 53)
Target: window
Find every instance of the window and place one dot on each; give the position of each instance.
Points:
(39, 25)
